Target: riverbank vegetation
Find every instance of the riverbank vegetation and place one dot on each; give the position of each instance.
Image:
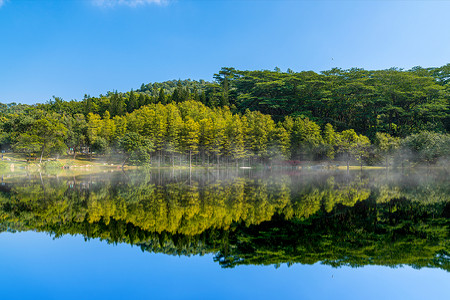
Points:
(247, 117)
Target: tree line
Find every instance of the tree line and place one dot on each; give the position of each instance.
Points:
(190, 132)
(248, 116)
(394, 101)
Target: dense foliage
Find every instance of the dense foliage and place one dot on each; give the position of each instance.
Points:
(258, 115)
(393, 101)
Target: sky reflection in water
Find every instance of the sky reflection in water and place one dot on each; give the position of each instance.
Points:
(34, 266)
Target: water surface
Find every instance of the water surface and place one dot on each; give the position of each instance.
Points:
(225, 234)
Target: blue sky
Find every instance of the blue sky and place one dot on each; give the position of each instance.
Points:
(75, 47)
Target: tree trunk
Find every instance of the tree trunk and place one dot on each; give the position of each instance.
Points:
(190, 158)
(123, 164)
(42, 153)
(159, 159)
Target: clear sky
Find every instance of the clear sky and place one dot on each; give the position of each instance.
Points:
(74, 47)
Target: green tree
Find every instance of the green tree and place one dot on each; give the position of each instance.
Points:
(117, 105)
(279, 143)
(133, 102)
(305, 137)
(190, 138)
(427, 146)
(352, 145)
(330, 141)
(76, 132)
(94, 126)
(108, 128)
(259, 127)
(137, 149)
(174, 126)
(235, 134)
(28, 143)
(161, 96)
(386, 145)
(46, 132)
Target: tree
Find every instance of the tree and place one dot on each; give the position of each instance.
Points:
(117, 105)
(133, 102)
(189, 137)
(279, 143)
(162, 96)
(120, 127)
(174, 126)
(46, 133)
(218, 144)
(94, 126)
(259, 127)
(100, 146)
(427, 146)
(141, 100)
(108, 128)
(137, 149)
(362, 148)
(330, 141)
(305, 136)
(235, 134)
(352, 145)
(386, 145)
(195, 95)
(28, 143)
(206, 137)
(76, 132)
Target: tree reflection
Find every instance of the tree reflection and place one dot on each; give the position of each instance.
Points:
(364, 218)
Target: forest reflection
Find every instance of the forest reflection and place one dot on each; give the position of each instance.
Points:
(245, 217)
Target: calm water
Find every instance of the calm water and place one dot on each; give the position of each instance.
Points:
(225, 235)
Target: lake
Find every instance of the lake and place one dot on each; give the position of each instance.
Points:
(226, 234)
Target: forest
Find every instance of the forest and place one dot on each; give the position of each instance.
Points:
(356, 116)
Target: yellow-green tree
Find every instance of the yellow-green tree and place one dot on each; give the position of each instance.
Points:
(386, 145)
(190, 137)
